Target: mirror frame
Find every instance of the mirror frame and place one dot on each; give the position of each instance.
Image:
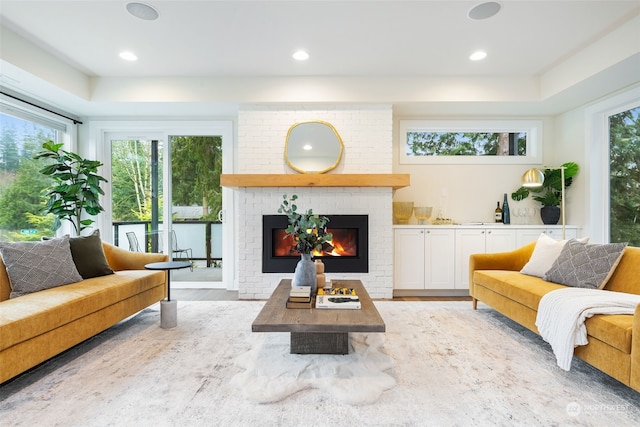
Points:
(335, 132)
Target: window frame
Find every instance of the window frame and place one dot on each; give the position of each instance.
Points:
(533, 128)
(597, 137)
(100, 132)
(66, 131)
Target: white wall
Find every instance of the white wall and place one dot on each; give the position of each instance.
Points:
(468, 193)
(582, 134)
(366, 133)
(570, 145)
(579, 135)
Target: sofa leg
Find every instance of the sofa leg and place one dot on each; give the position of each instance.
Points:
(475, 303)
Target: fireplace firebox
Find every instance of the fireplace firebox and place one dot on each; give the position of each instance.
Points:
(349, 252)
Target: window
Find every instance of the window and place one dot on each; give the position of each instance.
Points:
(21, 184)
(24, 127)
(136, 189)
(624, 176)
(470, 141)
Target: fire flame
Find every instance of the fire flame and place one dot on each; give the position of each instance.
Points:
(344, 243)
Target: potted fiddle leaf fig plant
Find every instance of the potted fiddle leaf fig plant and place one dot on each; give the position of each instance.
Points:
(76, 188)
(549, 194)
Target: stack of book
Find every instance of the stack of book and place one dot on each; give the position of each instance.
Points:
(299, 297)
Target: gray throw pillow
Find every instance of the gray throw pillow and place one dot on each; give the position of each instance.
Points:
(546, 251)
(35, 266)
(585, 266)
(88, 256)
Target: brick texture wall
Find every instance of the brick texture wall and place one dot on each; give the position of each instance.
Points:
(366, 131)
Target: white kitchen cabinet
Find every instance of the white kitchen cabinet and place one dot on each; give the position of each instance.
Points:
(423, 258)
(531, 234)
(428, 257)
(475, 240)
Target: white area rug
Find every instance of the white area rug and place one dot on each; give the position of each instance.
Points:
(439, 363)
(272, 373)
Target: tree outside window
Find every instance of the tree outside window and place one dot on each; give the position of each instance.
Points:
(131, 180)
(196, 167)
(21, 183)
(624, 169)
(466, 144)
(197, 164)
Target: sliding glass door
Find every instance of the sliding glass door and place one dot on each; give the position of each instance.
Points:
(165, 196)
(196, 206)
(136, 193)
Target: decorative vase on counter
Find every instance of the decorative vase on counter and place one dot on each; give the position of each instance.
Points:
(402, 211)
(305, 273)
(506, 214)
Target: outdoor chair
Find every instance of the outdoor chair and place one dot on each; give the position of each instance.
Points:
(175, 248)
(133, 242)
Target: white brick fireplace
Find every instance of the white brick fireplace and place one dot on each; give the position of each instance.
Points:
(366, 131)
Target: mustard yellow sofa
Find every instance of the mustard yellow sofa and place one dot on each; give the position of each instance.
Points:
(39, 325)
(614, 340)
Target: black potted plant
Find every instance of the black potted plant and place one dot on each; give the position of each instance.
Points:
(550, 193)
(76, 186)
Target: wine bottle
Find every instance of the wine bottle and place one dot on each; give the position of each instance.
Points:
(506, 215)
(498, 213)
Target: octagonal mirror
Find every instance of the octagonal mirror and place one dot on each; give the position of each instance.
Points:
(313, 147)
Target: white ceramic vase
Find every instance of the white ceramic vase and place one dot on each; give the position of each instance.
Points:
(305, 273)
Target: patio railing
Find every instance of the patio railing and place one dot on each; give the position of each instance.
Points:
(204, 238)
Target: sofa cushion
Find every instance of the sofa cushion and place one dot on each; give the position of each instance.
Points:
(546, 251)
(37, 313)
(585, 266)
(614, 330)
(526, 290)
(629, 266)
(88, 256)
(35, 266)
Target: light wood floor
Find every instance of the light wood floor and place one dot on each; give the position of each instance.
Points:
(224, 295)
(439, 298)
(199, 294)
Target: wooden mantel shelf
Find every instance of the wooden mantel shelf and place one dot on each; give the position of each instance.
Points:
(394, 180)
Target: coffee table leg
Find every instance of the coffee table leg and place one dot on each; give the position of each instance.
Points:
(319, 343)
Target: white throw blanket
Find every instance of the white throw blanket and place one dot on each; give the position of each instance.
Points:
(561, 316)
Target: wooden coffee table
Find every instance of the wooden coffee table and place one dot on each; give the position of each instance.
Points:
(318, 331)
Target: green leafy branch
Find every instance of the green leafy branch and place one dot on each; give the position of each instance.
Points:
(550, 193)
(308, 230)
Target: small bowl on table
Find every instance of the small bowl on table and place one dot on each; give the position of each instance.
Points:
(422, 213)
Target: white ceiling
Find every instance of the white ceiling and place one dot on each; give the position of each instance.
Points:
(229, 44)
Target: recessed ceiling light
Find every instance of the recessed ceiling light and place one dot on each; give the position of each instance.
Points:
(307, 147)
(301, 55)
(484, 10)
(478, 55)
(128, 56)
(142, 11)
